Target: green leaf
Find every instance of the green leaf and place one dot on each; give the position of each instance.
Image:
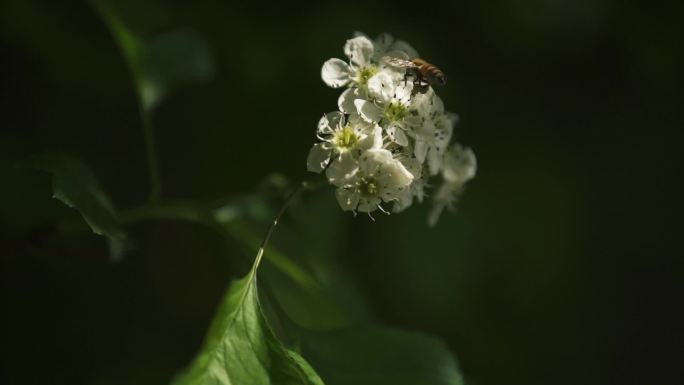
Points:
(163, 63)
(359, 352)
(173, 59)
(241, 348)
(372, 355)
(75, 185)
(297, 292)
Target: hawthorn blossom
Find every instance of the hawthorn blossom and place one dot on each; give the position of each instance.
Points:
(388, 140)
(364, 58)
(340, 137)
(364, 183)
(460, 166)
(391, 104)
(337, 73)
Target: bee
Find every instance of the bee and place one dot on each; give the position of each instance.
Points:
(423, 73)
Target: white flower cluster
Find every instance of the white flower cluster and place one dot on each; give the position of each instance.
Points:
(387, 139)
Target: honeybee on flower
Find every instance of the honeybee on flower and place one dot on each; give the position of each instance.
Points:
(391, 136)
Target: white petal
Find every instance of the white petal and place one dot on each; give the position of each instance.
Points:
(371, 160)
(453, 118)
(413, 166)
(347, 198)
(394, 175)
(424, 129)
(434, 161)
(443, 135)
(377, 137)
(368, 205)
(342, 170)
(371, 140)
(323, 126)
(437, 104)
(411, 121)
(330, 121)
(460, 164)
(335, 119)
(420, 150)
(359, 50)
(382, 85)
(391, 131)
(402, 92)
(318, 158)
(382, 43)
(368, 111)
(404, 200)
(400, 138)
(435, 213)
(335, 73)
(346, 101)
(444, 197)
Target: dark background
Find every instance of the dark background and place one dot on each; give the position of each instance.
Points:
(561, 266)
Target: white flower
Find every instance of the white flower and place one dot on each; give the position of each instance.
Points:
(340, 137)
(373, 178)
(346, 104)
(336, 73)
(417, 187)
(365, 58)
(385, 45)
(391, 105)
(460, 165)
(432, 139)
(387, 141)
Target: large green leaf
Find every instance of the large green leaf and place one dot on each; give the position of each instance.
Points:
(75, 185)
(372, 355)
(305, 282)
(241, 348)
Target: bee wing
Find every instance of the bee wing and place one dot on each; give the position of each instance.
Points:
(397, 62)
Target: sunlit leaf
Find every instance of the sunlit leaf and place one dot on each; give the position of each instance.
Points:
(379, 356)
(75, 185)
(241, 348)
(299, 294)
(335, 331)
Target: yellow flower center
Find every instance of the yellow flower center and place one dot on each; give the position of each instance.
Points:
(367, 73)
(346, 138)
(368, 187)
(395, 112)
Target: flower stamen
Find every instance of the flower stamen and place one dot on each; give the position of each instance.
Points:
(368, 187)
(346, 138)
(366, 73)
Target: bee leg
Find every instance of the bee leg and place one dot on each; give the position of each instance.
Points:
(414, 92)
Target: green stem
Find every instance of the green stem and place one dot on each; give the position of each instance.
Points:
(132, 49)
(269, 232)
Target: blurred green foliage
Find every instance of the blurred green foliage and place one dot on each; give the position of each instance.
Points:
(559, 267)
